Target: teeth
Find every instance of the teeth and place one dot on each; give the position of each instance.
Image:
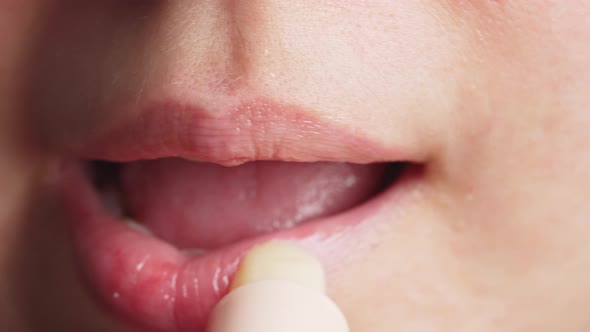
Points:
(194, 252)
(137, 227)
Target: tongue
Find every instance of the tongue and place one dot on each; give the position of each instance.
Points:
(202, 205)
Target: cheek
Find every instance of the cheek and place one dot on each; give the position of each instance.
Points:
(514, 174)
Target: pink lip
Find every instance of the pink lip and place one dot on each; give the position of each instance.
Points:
(257, 130)
(153, 285)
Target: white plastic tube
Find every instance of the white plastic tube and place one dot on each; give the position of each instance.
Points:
(279, 289)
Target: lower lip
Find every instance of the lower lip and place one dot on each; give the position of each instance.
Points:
(153, 285)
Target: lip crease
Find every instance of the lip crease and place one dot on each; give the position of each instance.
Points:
(152, 284)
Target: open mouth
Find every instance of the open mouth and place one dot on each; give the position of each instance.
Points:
(200, 207)
(160, 240)
(161, 213)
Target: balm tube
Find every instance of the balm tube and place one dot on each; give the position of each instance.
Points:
(278, 288)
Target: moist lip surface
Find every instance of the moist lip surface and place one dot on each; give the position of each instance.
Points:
(147, 279)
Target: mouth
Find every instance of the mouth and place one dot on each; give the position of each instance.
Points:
(160, 235)
(201, 207)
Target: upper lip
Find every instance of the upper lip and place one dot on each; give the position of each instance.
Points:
(255, 130)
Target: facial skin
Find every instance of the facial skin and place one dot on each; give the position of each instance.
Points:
(491, 96)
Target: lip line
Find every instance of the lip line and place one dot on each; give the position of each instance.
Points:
(256, 130)
(90, 224)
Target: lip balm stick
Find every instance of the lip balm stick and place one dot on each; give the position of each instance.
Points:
(278, 288)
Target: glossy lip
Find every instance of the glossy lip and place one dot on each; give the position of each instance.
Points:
(150, 283)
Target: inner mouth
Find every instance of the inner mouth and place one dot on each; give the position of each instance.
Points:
(203, 206)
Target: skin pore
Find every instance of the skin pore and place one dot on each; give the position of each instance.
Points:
(490, 96)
